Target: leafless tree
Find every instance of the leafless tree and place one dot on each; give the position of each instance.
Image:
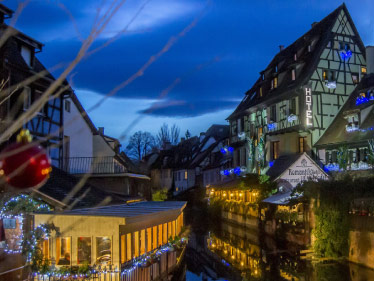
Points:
(163, 135)
(140, 144)
(166, 135)
(174, 134)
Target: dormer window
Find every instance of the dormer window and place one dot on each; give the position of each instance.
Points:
(26, 53)
(353, 122)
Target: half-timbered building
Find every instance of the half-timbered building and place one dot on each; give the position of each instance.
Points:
(298, 94)
(24, 79)
(348, 143)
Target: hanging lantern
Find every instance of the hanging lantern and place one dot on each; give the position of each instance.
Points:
(25, 165)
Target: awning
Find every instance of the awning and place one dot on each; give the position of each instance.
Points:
(281, 198)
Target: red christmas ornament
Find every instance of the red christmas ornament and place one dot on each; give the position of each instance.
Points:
(23, 164)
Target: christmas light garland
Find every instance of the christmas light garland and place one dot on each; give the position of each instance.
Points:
(140, 261)
(20, 203)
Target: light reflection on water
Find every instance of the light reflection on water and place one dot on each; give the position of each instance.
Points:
(234, 253)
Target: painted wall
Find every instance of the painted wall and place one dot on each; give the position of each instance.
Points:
(101, 148)
(81, 139)
(161, 178)
(183, 183)
(87, 226)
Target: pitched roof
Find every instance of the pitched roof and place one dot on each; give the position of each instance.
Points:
(317, 37)
(336, 133)
(127, 210)
(218, 131)
(61, 184)
(282, 164)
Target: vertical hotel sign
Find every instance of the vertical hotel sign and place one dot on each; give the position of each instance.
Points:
(308, 106)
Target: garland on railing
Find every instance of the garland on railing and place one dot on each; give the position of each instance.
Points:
(86, 270)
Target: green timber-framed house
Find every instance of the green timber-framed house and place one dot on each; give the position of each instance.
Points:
(298, 95)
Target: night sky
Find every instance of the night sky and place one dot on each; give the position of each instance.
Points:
(205, 73)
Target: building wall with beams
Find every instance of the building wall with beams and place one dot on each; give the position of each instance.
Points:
(326, 102)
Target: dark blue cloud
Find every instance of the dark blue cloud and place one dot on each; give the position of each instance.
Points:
(245, 35)
(188, 108)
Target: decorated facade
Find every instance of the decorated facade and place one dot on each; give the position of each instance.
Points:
(120, 237)
(348, 144)
(298, 94)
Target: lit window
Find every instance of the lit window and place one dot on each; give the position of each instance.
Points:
(355, 78)
(259, 133)
(260, 91)
(26, 53)
(185, 175)
(84, 250)
(293, 74)
(295, 57)
(274, 83)
(63, 250)
(275, 148)
(103, 250)
(26, 98)
(302, 141)
(44, 248)
(324, 75)
(67, 106)
(363, 70)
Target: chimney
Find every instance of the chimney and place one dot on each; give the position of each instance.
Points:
(281, 48)
(183, 139)
(314, 24)
(101, 130)
(370, 59)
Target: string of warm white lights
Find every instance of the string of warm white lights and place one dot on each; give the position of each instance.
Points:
(140, 261)
(6, 212)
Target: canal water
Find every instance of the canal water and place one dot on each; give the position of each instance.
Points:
(223, 251)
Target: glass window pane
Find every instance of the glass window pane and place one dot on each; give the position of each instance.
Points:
(63, 248)
(128, 246)
(103, 250)
(84, 250)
